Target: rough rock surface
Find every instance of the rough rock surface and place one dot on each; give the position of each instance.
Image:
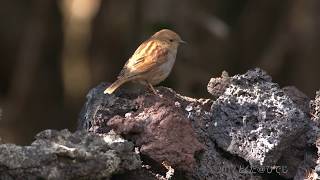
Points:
(161, 130)
(308, 142)
(252, 118)
(63, 155)
(94, 114)
(156, 124)
(314, 134)
(256, 120)
(249, 129)
(315, 106)
(217, 86)
(297, 156)
(300, 99)
(314, 139)
(170, 128)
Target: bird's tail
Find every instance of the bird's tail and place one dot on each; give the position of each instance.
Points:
(114, 86)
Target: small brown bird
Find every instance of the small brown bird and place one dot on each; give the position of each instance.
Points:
(152, 62)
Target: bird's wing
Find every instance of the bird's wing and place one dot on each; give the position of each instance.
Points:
(148, 55)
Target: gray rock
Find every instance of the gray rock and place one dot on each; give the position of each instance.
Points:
(315, 107)
(298, 97)
(250, 128)
(213, 162)
(253, 125)
(255, 120)
(314, 139)
(314, 133)
(161, 125)
(310, 166)
(100, 107)
(65, 155)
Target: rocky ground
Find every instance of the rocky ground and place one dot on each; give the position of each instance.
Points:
(250, 129)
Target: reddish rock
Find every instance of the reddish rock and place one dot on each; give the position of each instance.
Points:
(162, 132)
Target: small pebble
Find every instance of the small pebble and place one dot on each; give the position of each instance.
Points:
(189, 108)
(127, 115)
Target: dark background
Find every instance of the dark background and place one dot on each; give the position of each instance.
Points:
(52, 52)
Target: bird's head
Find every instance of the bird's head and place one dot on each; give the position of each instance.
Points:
(169, 37)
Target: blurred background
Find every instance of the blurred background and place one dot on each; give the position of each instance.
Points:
(53, 51)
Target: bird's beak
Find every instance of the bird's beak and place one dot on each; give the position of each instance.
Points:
(182, 42)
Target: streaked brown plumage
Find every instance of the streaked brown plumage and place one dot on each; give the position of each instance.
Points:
(152, 62)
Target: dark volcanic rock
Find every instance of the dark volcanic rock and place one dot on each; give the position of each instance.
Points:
(214, 163)
(314, 139)
(310, 167)
(173, 129)
(252, 124)
(63, 155)
(157, 125)
(300, 99)
(250, 129)
(314, 133)
(255, 119)
(99, 108)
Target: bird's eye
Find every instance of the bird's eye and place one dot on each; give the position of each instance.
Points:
(171, 40)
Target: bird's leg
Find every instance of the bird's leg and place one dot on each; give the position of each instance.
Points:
(152, 88)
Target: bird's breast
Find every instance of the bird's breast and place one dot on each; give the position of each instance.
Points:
(162, 71)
